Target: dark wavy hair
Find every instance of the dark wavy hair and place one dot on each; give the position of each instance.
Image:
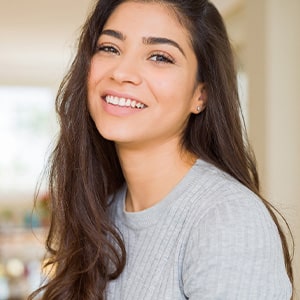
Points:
(85, 250)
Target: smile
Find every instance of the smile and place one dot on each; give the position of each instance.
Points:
(125, 102)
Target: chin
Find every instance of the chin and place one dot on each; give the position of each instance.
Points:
(115, 135)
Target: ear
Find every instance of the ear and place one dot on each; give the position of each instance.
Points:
(199, 98)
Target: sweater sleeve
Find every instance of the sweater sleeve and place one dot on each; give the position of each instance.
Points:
(234, 252)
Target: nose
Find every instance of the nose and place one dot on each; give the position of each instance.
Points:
(127, 70)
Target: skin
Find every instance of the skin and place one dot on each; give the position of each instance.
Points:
(162, 76)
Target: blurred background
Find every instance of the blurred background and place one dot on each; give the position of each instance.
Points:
(37, 42)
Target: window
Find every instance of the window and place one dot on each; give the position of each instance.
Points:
(27, 126)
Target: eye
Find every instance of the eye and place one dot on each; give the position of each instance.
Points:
(108, 49)
(162, 58)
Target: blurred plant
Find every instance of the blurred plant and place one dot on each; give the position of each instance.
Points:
(6, 217)
(43, 209)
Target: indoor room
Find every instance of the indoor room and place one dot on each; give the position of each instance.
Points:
(38, 43)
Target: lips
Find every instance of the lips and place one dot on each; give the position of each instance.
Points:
(123, 102)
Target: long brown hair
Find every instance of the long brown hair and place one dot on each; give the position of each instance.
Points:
(85, 250)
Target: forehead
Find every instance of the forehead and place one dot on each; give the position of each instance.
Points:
(147, 19)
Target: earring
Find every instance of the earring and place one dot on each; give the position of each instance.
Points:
(198, 108)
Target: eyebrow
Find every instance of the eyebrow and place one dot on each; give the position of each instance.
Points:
(116, 34)
(160, 40)
(146, 40)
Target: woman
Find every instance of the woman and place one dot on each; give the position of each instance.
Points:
(154, 190)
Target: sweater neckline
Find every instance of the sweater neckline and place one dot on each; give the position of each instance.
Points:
(152, 215)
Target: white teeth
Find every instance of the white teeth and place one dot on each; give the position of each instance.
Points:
(128, 102)
(114, 100)
(123, 102)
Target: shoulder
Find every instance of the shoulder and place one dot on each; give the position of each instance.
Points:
(233, 250)
(216, 191)
(222, 208)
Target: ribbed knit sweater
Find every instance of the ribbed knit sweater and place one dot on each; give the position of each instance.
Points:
(209, 238)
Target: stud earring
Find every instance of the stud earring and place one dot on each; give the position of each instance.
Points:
(198, 108)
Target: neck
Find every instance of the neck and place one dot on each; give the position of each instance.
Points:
(151, 173)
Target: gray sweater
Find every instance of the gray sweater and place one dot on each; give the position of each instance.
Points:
(209, 238)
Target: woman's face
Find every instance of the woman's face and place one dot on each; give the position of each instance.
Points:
(142, 81)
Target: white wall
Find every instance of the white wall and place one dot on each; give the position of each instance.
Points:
(272, 37)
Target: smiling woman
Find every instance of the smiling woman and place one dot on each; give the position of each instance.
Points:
(153, 66)
(154, 189)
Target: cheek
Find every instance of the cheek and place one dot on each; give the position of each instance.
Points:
(93, 73)
(92, 82)
(97, 71)
(172, 88)
(174, 78)
(165, 82)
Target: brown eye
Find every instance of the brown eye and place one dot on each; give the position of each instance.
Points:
(108, 49)
(161, 58)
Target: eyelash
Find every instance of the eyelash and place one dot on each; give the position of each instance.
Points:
(108, 49)
(161, 58)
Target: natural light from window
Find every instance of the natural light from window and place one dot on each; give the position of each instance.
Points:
(27, 127)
